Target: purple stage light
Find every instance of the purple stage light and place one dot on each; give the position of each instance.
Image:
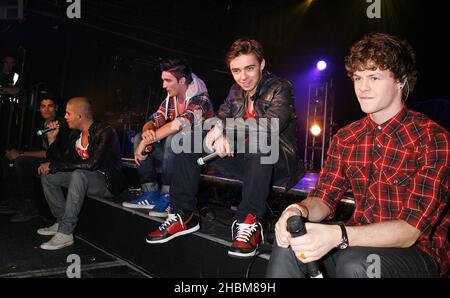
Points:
(321, 65)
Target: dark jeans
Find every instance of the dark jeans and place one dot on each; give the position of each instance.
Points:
(163, 152)
(22, 185)
(359, 262)
(256, 178)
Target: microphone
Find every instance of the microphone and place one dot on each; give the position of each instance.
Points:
(147, 150)
(44, 131)
(297, 228)
(212, 156)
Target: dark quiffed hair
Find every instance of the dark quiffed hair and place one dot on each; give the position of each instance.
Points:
(244, 46)
(178, 67)
(384, 51)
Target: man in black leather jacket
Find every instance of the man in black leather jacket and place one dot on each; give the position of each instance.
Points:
(258, 103)
(89, 165)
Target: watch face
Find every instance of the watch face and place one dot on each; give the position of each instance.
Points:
(343, 245)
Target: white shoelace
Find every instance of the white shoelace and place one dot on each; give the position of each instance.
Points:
(58, 236)
(170, 219)
(244, 231)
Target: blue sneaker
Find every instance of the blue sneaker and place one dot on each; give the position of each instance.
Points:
(146, 201)
(161, 207)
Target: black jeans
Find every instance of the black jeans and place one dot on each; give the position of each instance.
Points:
(22, 186)
(256, 178)
(162, 151)
(358, 262)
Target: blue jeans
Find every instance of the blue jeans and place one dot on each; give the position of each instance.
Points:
(163, 152)
(79, 184)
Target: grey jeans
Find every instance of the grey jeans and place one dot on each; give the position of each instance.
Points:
(79, 183)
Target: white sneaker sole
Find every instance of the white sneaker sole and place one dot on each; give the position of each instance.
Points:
(242, 255)
(191, 230)
(46, 232)
(157, 214)
(49, 247)
(136, 206)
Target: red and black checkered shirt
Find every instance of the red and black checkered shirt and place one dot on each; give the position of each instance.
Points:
(397, 171)
(198, 109)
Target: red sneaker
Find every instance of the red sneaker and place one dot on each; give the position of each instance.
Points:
(176, 224)
(246, 237)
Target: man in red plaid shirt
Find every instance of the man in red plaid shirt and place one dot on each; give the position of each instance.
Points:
(185, 107)
(396, 161)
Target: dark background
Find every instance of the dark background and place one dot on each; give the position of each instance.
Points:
(111, 54)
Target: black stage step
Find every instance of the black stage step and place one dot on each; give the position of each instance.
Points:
(122, 231)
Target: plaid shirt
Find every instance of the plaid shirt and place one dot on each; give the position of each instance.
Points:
(198, 109)
(397, 171)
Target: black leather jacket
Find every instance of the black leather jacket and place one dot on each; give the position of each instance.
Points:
(104, 156)
(274, 98)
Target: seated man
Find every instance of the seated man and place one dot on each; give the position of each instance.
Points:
(25, 165)
(261, 98)
(186, 96)
(10, 81)
(396, 161)
(90, 165)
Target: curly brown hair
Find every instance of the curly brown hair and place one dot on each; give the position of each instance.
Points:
(244, 46)
(384, 51)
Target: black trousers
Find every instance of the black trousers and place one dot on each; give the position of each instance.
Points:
(358, 262)
(256, 178)
(22, 184)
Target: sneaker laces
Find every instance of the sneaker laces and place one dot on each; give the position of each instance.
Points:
(58, 236)
(171, 218)
(244, 231)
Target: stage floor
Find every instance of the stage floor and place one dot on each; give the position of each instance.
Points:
(21, 256)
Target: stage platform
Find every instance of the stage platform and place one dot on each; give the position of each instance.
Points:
(110, 239)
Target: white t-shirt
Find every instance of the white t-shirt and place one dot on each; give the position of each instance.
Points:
(82, 151)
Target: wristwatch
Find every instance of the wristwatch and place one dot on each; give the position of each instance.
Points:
(344, 240)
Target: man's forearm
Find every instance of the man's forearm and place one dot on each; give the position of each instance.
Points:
(393, 233)
(39, 154)
(168, 129)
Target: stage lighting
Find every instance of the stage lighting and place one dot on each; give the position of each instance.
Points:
(321, 65)
(315, 130)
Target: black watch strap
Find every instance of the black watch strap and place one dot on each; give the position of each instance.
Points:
(344, 240)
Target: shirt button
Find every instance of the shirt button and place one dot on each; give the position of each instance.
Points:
(395, 181)
(379, 127)
(378, 145)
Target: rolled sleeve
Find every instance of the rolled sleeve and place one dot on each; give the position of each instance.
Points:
(427, 191)
(332, 183)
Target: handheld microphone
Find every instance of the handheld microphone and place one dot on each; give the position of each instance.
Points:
(147, 150)
(44, 131)
(212, 156)
(297, 228)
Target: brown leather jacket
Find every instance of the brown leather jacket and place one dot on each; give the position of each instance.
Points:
(274, 98)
